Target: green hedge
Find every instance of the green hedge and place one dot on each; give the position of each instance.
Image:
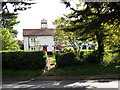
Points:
(24, 60)
(66, 59)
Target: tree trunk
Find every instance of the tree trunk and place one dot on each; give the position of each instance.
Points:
(100, 45)
(100, 50)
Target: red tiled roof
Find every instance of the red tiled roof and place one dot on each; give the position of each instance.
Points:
(37, 32)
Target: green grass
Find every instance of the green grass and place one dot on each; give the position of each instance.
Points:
(9, 73)
(82, 70)
(88, 69)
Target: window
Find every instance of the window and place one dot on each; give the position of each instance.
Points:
(33, 39)
(32, 48)
(84, 47)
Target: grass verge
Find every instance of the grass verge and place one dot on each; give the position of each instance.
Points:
(27, 73)
(88, 69)
(82, 70)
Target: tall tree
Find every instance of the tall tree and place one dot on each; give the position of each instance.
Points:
(92, 19)
(9, 22)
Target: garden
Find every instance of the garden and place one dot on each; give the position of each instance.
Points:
(96, 23)
(87, 64)
(67, 63)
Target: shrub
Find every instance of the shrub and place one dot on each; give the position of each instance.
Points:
(24, 60)
(92, 57)
(111, 58)
(66, 59)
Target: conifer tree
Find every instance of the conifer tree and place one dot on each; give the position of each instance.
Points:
(92, 19)
(9, 18)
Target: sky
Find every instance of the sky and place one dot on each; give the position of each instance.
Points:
(31, 18)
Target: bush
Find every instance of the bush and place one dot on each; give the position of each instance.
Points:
(66, 59)
(111, 58)
(24, 60)
(92, 57)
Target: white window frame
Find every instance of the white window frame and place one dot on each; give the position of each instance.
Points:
(33, 39)
(32, 48)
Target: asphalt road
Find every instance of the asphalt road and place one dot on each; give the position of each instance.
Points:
(84, 84)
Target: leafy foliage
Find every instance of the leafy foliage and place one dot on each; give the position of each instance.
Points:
(17, 5)
(8, 21)
(67, 38)
(8, 43)
(111, 58)
(93, 19)
(8, 17)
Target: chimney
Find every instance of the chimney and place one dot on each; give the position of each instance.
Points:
(44, 24)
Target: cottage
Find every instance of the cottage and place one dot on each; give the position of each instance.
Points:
(42, 39)
(35, 39)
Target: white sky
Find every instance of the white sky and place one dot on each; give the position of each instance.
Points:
(31, 18)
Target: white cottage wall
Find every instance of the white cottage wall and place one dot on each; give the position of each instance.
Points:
(46, 40)
(42, 40)
(25, 43)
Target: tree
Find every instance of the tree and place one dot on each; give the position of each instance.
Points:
(92, 19)
(113, 39)
(9, 22)
(8, 43)
(9, 18)
(17, 5)
(65, 38)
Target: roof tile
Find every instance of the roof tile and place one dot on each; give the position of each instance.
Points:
(37, 32)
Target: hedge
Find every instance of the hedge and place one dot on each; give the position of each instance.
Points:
(66, 59)
(24, 60)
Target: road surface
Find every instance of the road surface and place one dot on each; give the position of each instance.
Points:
(64, 84)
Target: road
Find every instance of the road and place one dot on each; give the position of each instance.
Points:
(64, 84)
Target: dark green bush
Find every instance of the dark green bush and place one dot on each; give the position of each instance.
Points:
(24, 60)
(66, 59)
(92, 57)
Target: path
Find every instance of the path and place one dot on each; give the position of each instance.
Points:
(50, 63)
(51, 66)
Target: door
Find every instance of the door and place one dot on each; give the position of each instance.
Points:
(44, 48)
